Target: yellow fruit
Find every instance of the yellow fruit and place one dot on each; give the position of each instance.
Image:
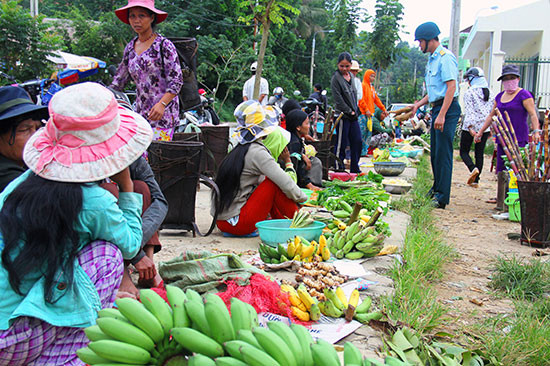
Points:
(322, 244)
(298, 248)
(342, 296)
(297, 241)
(306, 297)
(389, 249)
(296, 258)
(287, 288)
(342, 226)
(354, 298)
(307, 251)
(302, 315)
(291, 249)
(326, 254)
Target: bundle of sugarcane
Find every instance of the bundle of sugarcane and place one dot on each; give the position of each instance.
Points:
(532, 168)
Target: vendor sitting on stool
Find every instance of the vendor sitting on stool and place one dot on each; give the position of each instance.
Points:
(252, 184)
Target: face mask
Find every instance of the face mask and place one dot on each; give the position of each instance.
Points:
(510, 86)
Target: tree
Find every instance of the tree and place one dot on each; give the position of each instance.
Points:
(24, 43)
(346, 15)
(385, 35)
(267, 13)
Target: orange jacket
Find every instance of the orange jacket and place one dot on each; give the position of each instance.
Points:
(370, 98)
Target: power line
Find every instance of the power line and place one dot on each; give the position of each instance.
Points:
(215, 21)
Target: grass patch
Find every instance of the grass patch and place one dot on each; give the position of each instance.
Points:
(424, 255)
(520, 279)
(522, 338)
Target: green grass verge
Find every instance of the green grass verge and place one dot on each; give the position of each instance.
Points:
(424, 255)
(521, 338)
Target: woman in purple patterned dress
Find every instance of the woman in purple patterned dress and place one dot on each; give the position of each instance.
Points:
(157, 86)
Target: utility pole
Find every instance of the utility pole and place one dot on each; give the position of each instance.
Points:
(34, 7)
(454, 39)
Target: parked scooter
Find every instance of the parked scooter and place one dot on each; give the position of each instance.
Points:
(315, 110)
(200, 114)
(40, 90)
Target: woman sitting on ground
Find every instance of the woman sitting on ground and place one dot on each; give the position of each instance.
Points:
(19, 120)
(310, 171)
(381, 135)
(63, 237)
(252, 184)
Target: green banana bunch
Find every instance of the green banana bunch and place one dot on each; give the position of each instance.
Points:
(120, 352)
(158, 307)
(218, 319)
(176, 298)
(324, 354)
(197, 342)
(138, 314)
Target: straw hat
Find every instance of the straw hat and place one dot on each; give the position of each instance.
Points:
(254, 121)
(355, 66)
(88, 137)
(122, 13)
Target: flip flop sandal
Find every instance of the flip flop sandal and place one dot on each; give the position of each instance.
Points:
(491, 200)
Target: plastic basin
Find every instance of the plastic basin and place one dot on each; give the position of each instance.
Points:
(273, 232)
(396, 189)
(343, 176)
(389, 168)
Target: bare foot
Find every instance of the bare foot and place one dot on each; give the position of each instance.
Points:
(127, 287)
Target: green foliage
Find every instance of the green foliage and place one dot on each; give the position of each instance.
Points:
(424, 255)
(385, 34)
(346, 15)
(24, 43)
(520, 279)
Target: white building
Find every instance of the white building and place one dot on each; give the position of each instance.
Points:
(519, 36)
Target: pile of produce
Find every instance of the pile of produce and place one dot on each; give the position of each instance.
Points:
(318, 276)
(381, 155)
(369, 196)
(191, 331)
(337, 305)
(301, 219)
(356, 241)
(396, 182)
(298, 249)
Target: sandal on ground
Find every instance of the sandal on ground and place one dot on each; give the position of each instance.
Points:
(491, 200)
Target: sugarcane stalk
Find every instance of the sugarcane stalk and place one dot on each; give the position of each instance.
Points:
(328, 124)
(336, 123)
(355, 213)
(532, 152)
(505, 146)
(511, 132)
(513, 147)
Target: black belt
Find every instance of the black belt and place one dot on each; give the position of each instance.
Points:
(439, 102)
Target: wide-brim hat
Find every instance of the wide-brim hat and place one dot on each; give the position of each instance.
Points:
(88, 137)
(122, 13)
(509, 70)
(254, 121)
(355, 66)
(15, 102)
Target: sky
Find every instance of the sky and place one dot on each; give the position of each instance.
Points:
(439, 11)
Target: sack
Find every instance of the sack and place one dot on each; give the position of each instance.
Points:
(187, 54)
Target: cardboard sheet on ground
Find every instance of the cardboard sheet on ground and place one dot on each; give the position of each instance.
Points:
(329, 329)
(350, 268)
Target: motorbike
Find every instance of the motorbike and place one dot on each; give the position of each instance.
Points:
(40, 90)
(316, 113)
(199, 114)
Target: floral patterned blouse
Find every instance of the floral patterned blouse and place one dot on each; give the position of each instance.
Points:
(146, 72)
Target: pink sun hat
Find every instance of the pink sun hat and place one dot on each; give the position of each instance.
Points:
(122, 13)
(88, 137)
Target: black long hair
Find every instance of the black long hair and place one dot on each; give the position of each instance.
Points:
(41, 214)
(228, 178)
(485, 94)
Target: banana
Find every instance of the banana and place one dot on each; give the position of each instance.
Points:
(275, 346)
(367, 317)
(180, 317)
(329, 309)
(271, 252)
(305, 296)
(281, 250)
(305, 339)
(293, 297)
(352, 354)
(331, 351)
(331, 296)
(175, 295)
(126, 332)
(197, 342)
(348, 247)
(94, 333)
(158, 307)
(352, 230)
(229, 361)
(325, 254)
(288, 336)
(354, 298)
(200, 360)
(248, 337)
(364, 306)
(233, 348)
(89, 357)
(218, 319)
(354, 255)
(141, 317)
(322, 355)
(193, 295)
(195, 311)
(120, 352)
(340, 293)
(291, 249)
(315, 312)
(300, 314)
(307, 251)
(253, 315)
(112, 313)
(240, 315)
(339, 254)
(256, 357)
(322, 244)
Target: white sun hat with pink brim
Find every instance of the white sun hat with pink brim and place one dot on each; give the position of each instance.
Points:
(88, 137)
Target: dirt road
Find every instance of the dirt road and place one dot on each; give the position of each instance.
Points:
(478, 239)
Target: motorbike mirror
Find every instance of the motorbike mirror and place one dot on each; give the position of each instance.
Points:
(297, 93)
(111, 70)
(324, 92)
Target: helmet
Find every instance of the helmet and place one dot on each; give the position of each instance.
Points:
(202, 91)
(254, 66)
(426, 31)
(278, 90)
(473, 72)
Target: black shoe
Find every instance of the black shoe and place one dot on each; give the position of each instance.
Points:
(437, 204)
(430, 193)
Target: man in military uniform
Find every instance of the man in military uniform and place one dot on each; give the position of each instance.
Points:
(441, 82)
